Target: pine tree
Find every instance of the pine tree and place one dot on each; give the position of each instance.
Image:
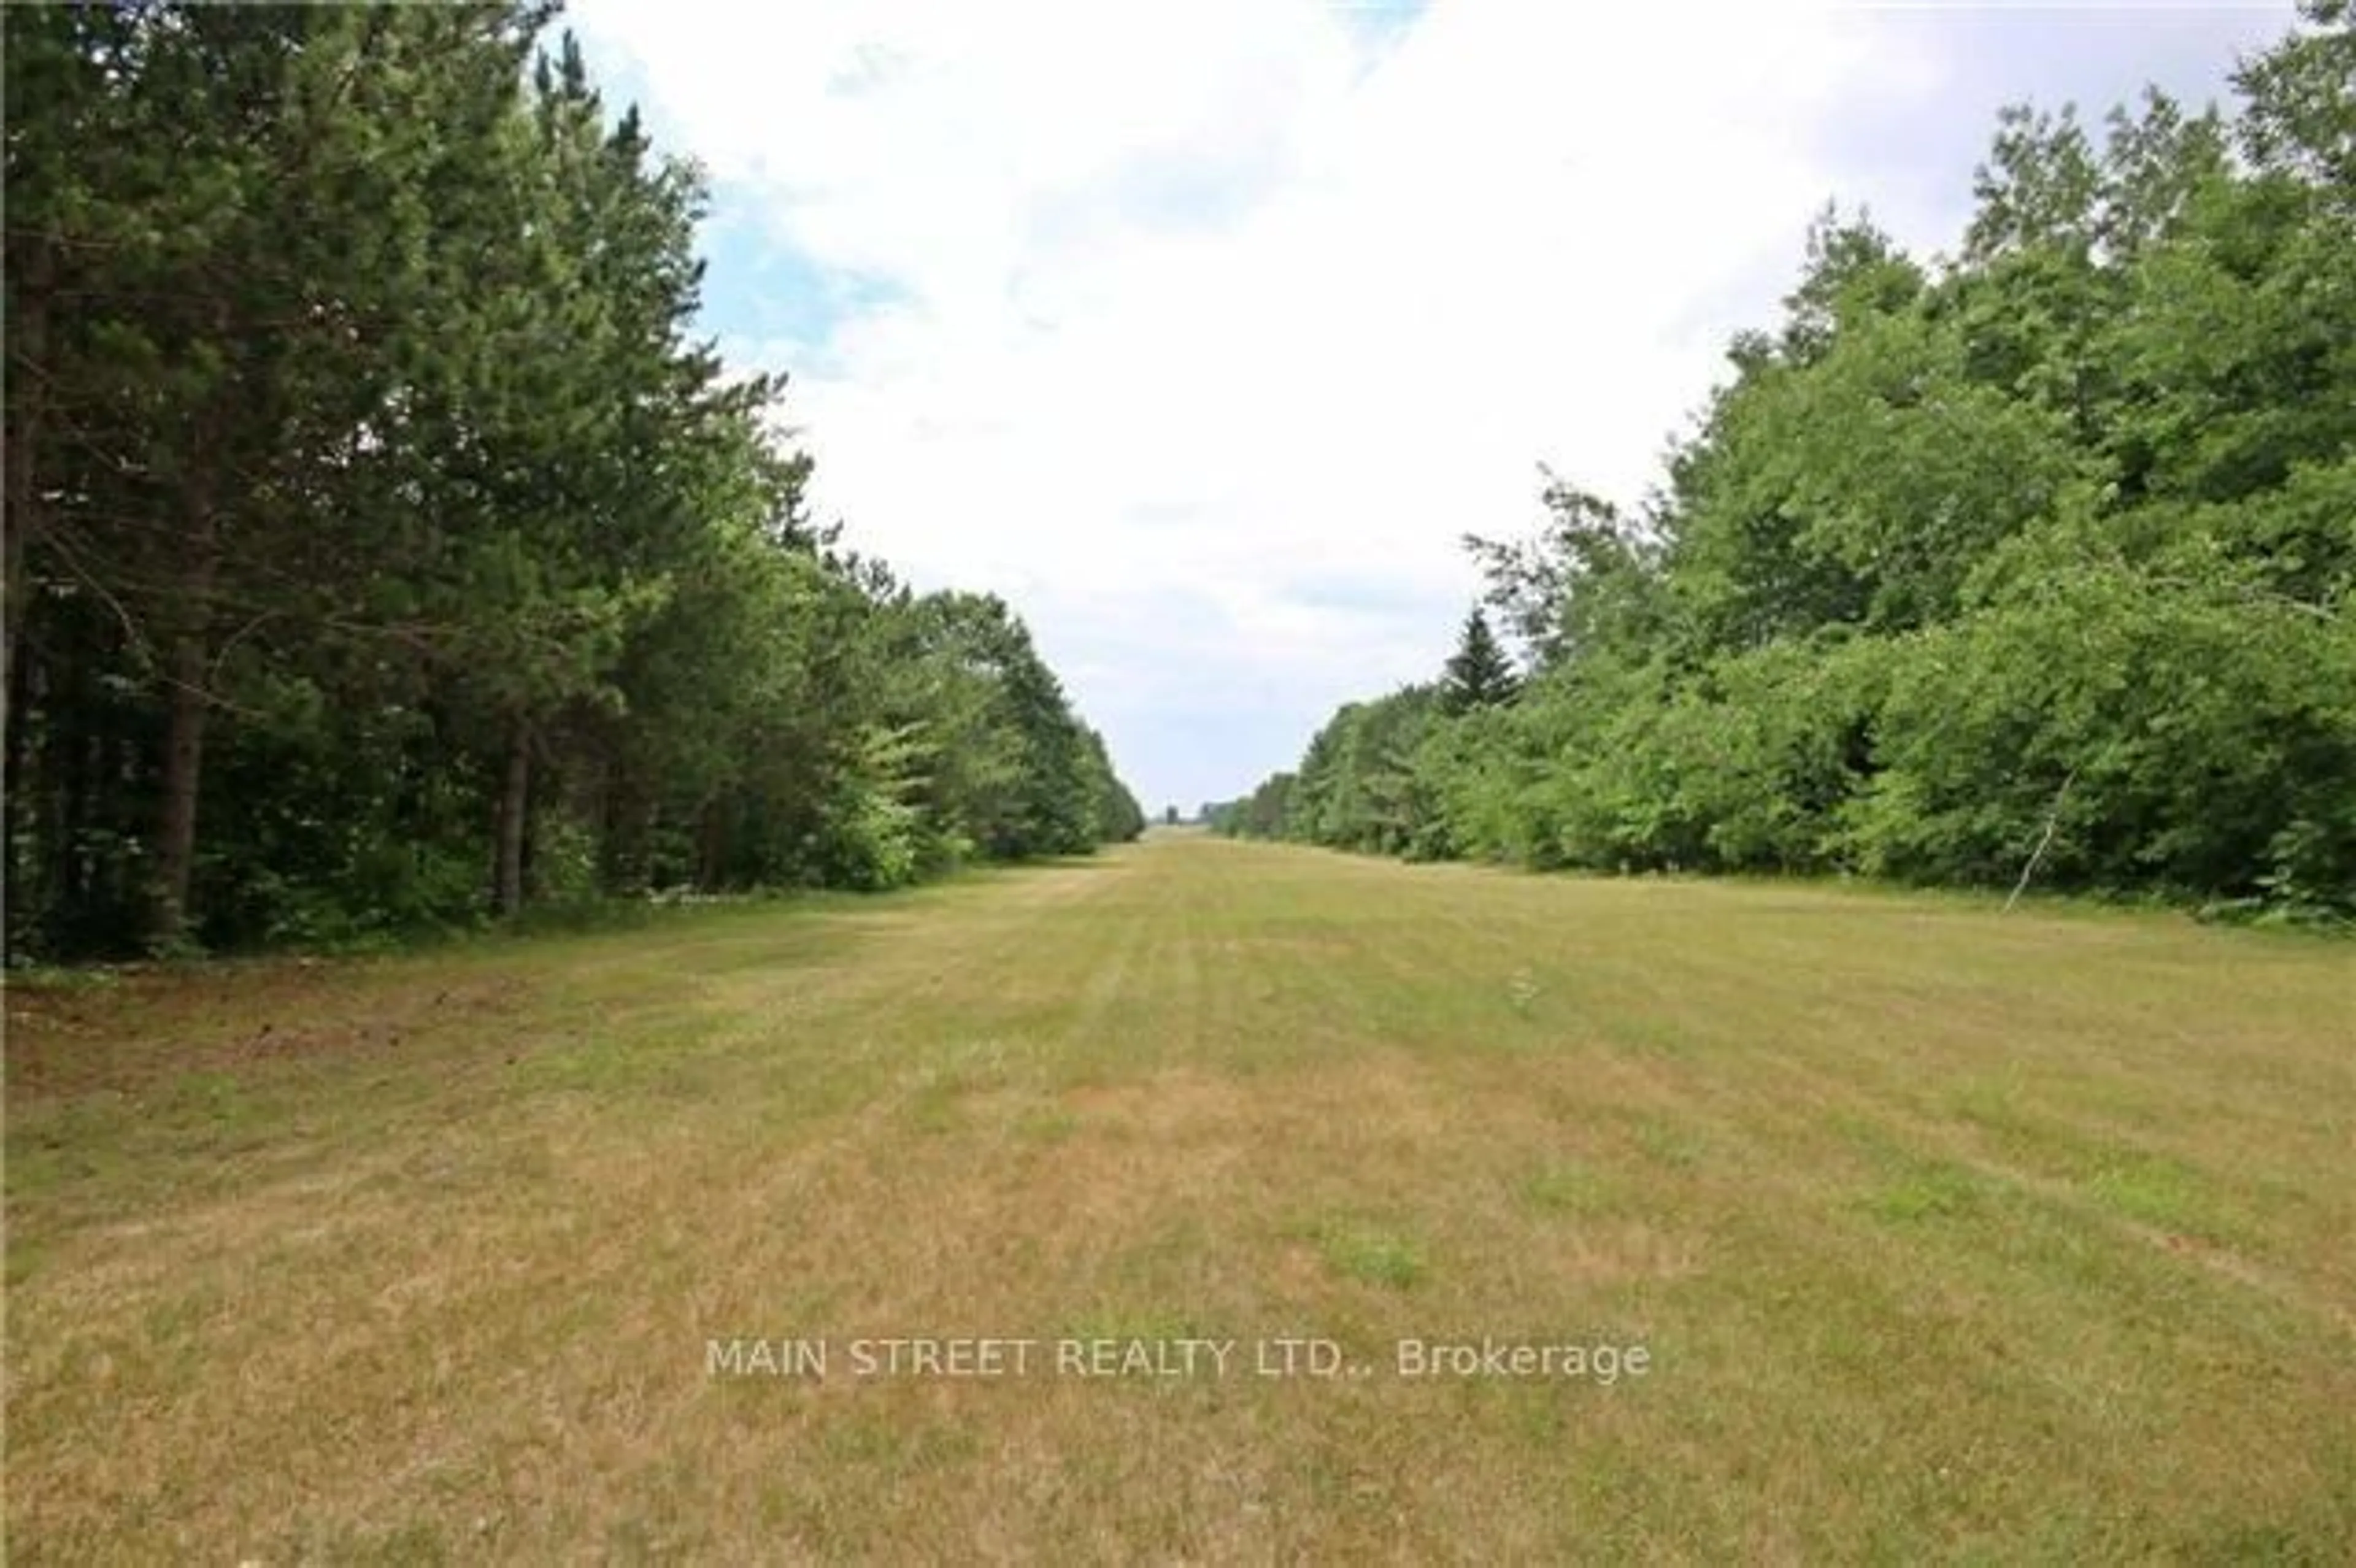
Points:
(1478, 674)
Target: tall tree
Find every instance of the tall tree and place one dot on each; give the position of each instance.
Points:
(2042, 559)
(381, 545)
(1479, 674)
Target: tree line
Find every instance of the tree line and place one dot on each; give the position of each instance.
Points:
(384, 551)
(2035, 560)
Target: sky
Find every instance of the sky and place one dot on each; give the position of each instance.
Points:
(1203, 332)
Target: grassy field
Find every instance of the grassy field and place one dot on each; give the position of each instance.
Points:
(1912, 1233)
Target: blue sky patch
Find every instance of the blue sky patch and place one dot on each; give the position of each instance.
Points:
(1379, 26)
(759, 288)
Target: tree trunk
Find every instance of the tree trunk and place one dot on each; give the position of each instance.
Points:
(711, 847)
(515, 806)
(184, 755)
(624, 835)
(81, 773)
(29, 330)
(20, 505)
(20, 807)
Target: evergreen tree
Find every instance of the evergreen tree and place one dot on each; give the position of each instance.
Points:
(383, 552)
(1479, 674)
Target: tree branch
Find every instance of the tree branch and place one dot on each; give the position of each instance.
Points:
(2045, 842)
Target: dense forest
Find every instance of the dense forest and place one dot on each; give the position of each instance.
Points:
(383, 550)
(2032, 562)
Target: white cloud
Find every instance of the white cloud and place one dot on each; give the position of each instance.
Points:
(1195, 302)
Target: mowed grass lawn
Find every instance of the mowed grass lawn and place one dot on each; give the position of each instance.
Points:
(1947, 1235)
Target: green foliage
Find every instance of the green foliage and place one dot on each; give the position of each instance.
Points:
(1479, 674)
(2203, 735)
(2039, 566)
(1359, 786)
(872, 835)
(384, 552)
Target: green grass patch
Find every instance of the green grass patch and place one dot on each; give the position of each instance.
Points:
(1955, 1235)
(1928, 1193)
(1370, 1253)
(1564, 1189)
